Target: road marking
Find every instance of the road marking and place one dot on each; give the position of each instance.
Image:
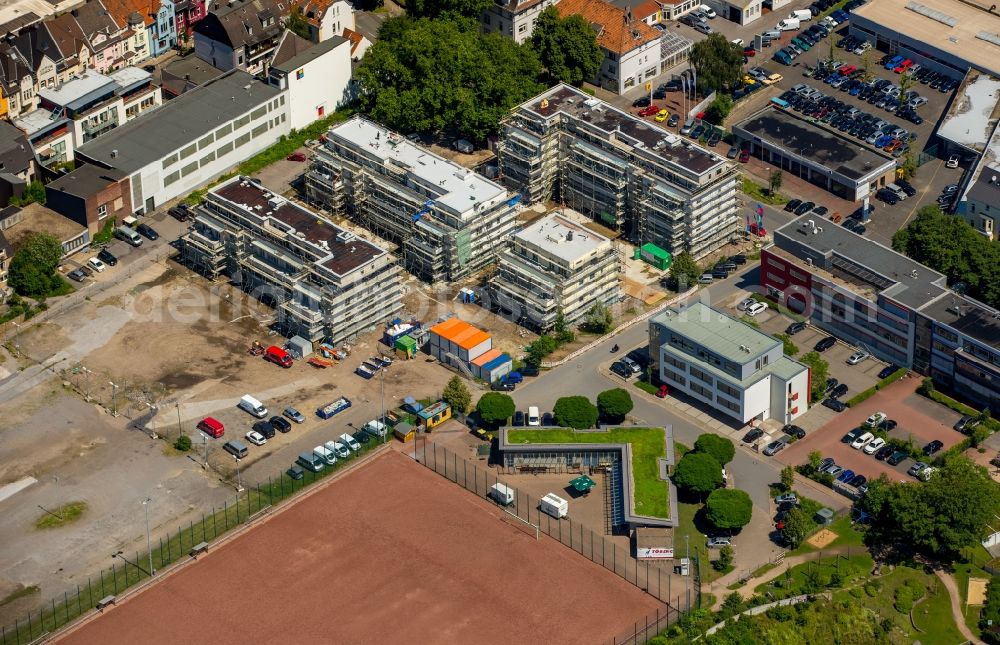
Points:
(916, 207)
(15, 487)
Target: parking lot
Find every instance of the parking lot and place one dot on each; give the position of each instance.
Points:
(918, 418)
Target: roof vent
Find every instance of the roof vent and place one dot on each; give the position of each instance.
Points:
(569, 236)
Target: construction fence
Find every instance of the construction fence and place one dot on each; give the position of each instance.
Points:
(130, 569)
(679, 597)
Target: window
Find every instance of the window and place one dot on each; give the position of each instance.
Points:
(118, 203)
(522, 29)
(190, 150)
(171, 178)
(223, 131)
(259, 130)
(169, 161)
(207, 141)
(188, 169)
(102, 211)
(242, 139)
(207, 159)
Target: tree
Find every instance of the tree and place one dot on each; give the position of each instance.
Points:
(33, 192)
(561, 329)
(32, 270)
(567, 47)
(815, 459)
(721, 448)
(797, 527)
(951, 511)
(820, 370)
(447, 8)
(599, 319)
(495, 408)
(183, 443)
(725, 561)
(990, 614)
(698, 473)
(575, 412)
(614, 404)
(719, 64)
(457, 395)
(298, 24)
(866, 64)
(404, 86)
(719, 108)
(787, 477)
(789, 348)
(684, 270)
(774, 181)
(542, 347)
(728, 509)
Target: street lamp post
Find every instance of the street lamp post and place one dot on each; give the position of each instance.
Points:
(17, 335)
(381, 418)
(149, 550)
(121, 554)
(114, 398)
(204, 438)
(239, 482)
(86, 376)
(180, 430)
(152, 419)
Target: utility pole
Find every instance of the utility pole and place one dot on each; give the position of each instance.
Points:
(17, 335)
(114, 398)
(149, 550)
(205, 439)
(86, 376)
(180, 430)
(239, 482)
(381, 418)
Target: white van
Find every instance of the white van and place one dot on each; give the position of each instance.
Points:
(338, 449)
(801, 15)
(375, 428)
(350, 442)
(253, 406)
(533, 418)
(326, 455)
(788, 24)
(554, 505)
(501, 494)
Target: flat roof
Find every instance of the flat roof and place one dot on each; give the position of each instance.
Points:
(127, 77)
(37, 120)
(862, 262)
(718, 332)
(623, 127)
(152, 136)
(562, 237)
(313, 53)
(79, 89)
(970, 19)
(85, 181)
(972, 116)
(459, 189)
(824, 147)
(968, 316)
(338, 250)
(38, 218)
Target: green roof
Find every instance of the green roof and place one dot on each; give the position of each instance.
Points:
(731, 339)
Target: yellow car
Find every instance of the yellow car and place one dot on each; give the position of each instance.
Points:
(772, 79)
(748, 80)
(662, 115)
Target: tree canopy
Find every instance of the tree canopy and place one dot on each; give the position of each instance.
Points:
(447, 8)
(698, 473)
(567, 47)
(684, 270)
(495, 407)
(721, 448)
(32, 270)
(718, 62)
(728, 508)
(947, 243)
(457, 395)
(575, 412)
(820, 371)
(797, 527)
(599, 319)
(953, 510)
(614, 404)
(405, 86)
(719, 108)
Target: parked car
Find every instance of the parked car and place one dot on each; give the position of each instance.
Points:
(794, 431)
(952, 161)
(787, 498)
(774, 447)
(77, 275)
(649, 110)
(916, 469)
(753, 435)
(888, 425)
(896, 458)
(862, 441)
(256, 438)
(265, 428)
(966, 424)
(851, 436)
(147, 232)
(885, 452)
(795, 328)
(834, 404)
(502, 386)
(756, 308)
(294, 415)
(97, 265)
(518, 418)
(874, 446)
(875, 419)
(858, 481)
(839, 390)
(792, 205)
(933, 447)
(107, 257)
(825, 344)
(180, 212)
(718, 542)
(296, 156)
(857, 357)
(621, 369)
(888, 371)
(281, 424)
(830, 384)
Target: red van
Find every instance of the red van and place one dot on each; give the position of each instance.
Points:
(279, 356)
(212, 427)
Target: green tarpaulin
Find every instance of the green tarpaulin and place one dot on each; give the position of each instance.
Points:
(583, 484)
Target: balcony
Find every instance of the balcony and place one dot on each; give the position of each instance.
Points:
(93, 130)
(304, 315)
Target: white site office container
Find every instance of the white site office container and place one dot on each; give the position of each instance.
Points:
(501, 494)
(554, 505)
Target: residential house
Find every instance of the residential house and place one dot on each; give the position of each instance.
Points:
(17, 224)
(91, 196)
(184, 73)
(6, 251)
(137, 16)
(242, 34)
(107, 39)
(981, 206)
(54, 51)
(674, 9)
(632, 52)
(186, 14)
(647, 11)
(17, 83)
(514, 19)
(326, 18)
(17, 162)
(315, 77)
(359, 44)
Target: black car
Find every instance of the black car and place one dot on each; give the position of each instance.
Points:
(548, 419)
(265, 428)
(825, 344)
(639, 355)
(753, 435)
(529, 370)
(621, 369)
(834, 405)
(792, 205)
(888, 425)
(884, 452)
(641, 102)
(738, 260)
(888, 371)
(887, 196)
(858, 480)
(107, 257)
(518, 418)
(820, 211)
(280, 424)
(698, 131)
(896, 458)
(147, 231)
(804, 208)
(933, 447)
(794, 431)
(907, 187)
(179, 212)
(502, 386)
(364, 437)
(830, 384)
(839, 391)
(795, 328)
(295, 472)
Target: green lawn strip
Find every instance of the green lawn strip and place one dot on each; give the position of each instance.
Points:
(65, 514)
(645, 386)
(694, 544)
(962, 573)
(647, 448)
(816, 575)
(759, 193)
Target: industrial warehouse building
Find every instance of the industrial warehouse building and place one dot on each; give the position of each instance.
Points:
(727, 364)
(895, 307)
(626, 173)
(448, 221)
(947, 36)
(554, 264)
(324, 282)
(820, 156)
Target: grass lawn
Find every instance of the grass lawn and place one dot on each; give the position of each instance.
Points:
(847, 535)
(759, 193)
(647, 447)
(817, 575)
(962, 573)
(65, 514)
(695, 541)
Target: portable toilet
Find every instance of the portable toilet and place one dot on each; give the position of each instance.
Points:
(406, 347)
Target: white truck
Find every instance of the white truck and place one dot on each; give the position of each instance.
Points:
(501, 494)
(325, 454)
(554, 505)
(802, 15)
(376, 429)
(788, 24)
(253, 406)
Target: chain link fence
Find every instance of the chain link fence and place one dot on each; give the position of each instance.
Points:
(524, 512)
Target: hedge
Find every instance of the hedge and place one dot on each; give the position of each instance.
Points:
(961, 408)
(861, 397)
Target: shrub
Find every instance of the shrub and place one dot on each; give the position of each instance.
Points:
(721, 448)
(183, 443)
(575, 412)
(892, 378)
(861, 397)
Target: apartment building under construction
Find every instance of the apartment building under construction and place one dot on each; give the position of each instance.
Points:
(323, 281)
(448, 221)
(626, 173)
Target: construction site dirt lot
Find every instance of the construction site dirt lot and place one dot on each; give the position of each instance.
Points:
(420, 559)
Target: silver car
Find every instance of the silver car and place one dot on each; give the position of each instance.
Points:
(774, 447)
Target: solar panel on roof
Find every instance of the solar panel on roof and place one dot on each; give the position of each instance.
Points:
(989, 37)
(933, 14)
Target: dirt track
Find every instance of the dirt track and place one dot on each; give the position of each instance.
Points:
(390, 549)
